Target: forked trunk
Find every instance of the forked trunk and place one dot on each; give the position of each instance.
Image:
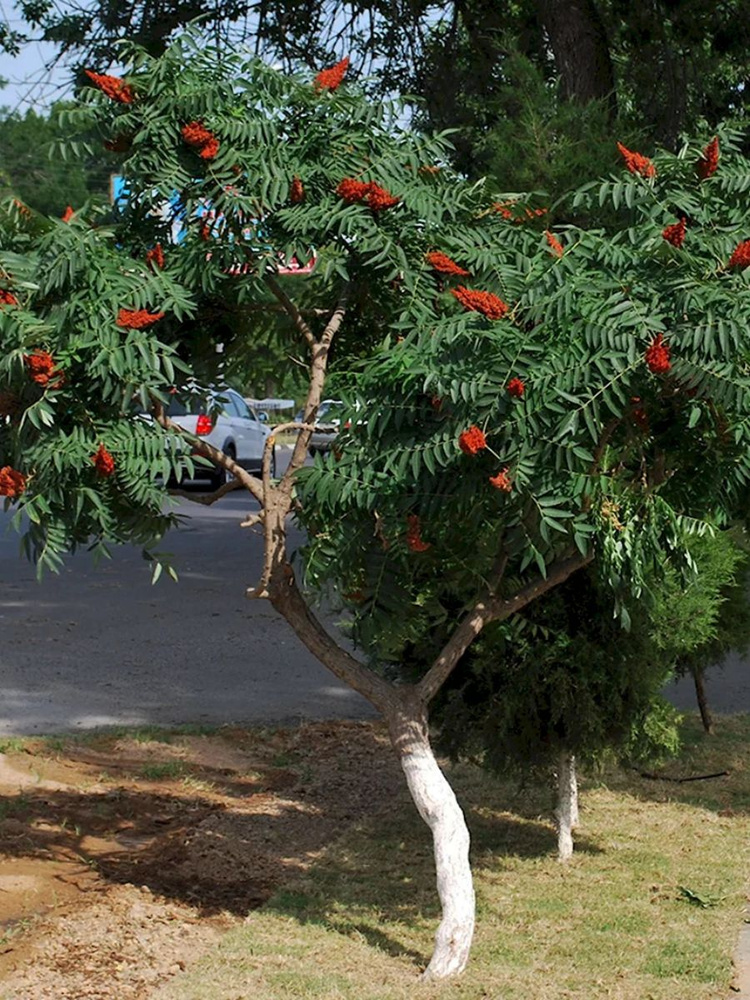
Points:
(567, 805)
(438, 807)
(700, 694)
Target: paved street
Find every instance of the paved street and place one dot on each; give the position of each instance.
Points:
(101, 646)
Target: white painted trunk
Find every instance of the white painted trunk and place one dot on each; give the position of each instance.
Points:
(567, 805)
(438, 807)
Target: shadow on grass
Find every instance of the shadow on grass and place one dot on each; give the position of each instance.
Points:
(703, 761)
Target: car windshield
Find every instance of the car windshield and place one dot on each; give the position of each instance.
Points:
(186, 406)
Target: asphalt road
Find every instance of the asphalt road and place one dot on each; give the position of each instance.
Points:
(100, 646)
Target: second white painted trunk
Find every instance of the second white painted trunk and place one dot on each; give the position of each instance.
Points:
(439, 808)
(566, 813)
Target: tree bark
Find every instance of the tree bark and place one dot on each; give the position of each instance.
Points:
(567, 805)
(581, 50)
(439, 808)
(700, 694)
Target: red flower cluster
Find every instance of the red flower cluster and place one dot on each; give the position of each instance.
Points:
(504, 208)
(472, 440)
(486, 303)
(43, 371)
(199, 137)
(368, 193)
(708, 163)
(516, 387)
(636, 163)
(332, 78)
(12, 482)
(67, 214)
(555, 244)
(136, 319)
(414, 535)
(675, 234)
(502, 481)
(296, 191)
(103, 461)
(7, 298)
(443, 264)
(657, 356)
(112, 86)
(741, 255)
(155, 257)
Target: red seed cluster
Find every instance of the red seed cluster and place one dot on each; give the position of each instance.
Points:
(443, 264)
(675, 234)
(555, 245)
(155, 257)
(12, 482)
(516, 387)
(366, 193)
(103, 462)
(43, 370)
(505, 209)
(414, 538)
(502, 481)
(708, 162)
(332, 78)
(741, 255)
(636, 163)
(486, 303)
(199, 137)
(296, 191)
(472, 440)
(137, 319)
(657, 356)
(67, 214)
(112, 86)
(7, 298)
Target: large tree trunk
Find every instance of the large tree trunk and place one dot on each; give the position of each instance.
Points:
(438, 807)
(566, 813)
(700, 694)
(581, 50)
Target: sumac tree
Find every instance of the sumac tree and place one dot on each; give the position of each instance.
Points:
(535, 402)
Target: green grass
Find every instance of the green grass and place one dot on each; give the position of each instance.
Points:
(163, 771)
(611, 924)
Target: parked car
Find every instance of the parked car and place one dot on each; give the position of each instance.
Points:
(327, 425)
(226, 421)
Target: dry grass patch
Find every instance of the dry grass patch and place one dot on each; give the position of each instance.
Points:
(618, 922)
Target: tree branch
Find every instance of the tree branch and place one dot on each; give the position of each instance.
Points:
(288, 601)
(487, 610)
(290, 308)
(208, 498)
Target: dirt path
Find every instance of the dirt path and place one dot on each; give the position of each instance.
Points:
(123, 858)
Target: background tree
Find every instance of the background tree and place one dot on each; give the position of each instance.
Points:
(653, 70)
(46, 184)
(520, 425)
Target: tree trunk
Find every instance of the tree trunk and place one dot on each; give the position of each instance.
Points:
(567, 805)
(700, 694)
(438, 807)
(581, 50)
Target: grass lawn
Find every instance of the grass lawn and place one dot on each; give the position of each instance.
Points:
(616, 922)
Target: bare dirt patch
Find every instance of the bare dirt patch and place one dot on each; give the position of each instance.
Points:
(123, 857)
